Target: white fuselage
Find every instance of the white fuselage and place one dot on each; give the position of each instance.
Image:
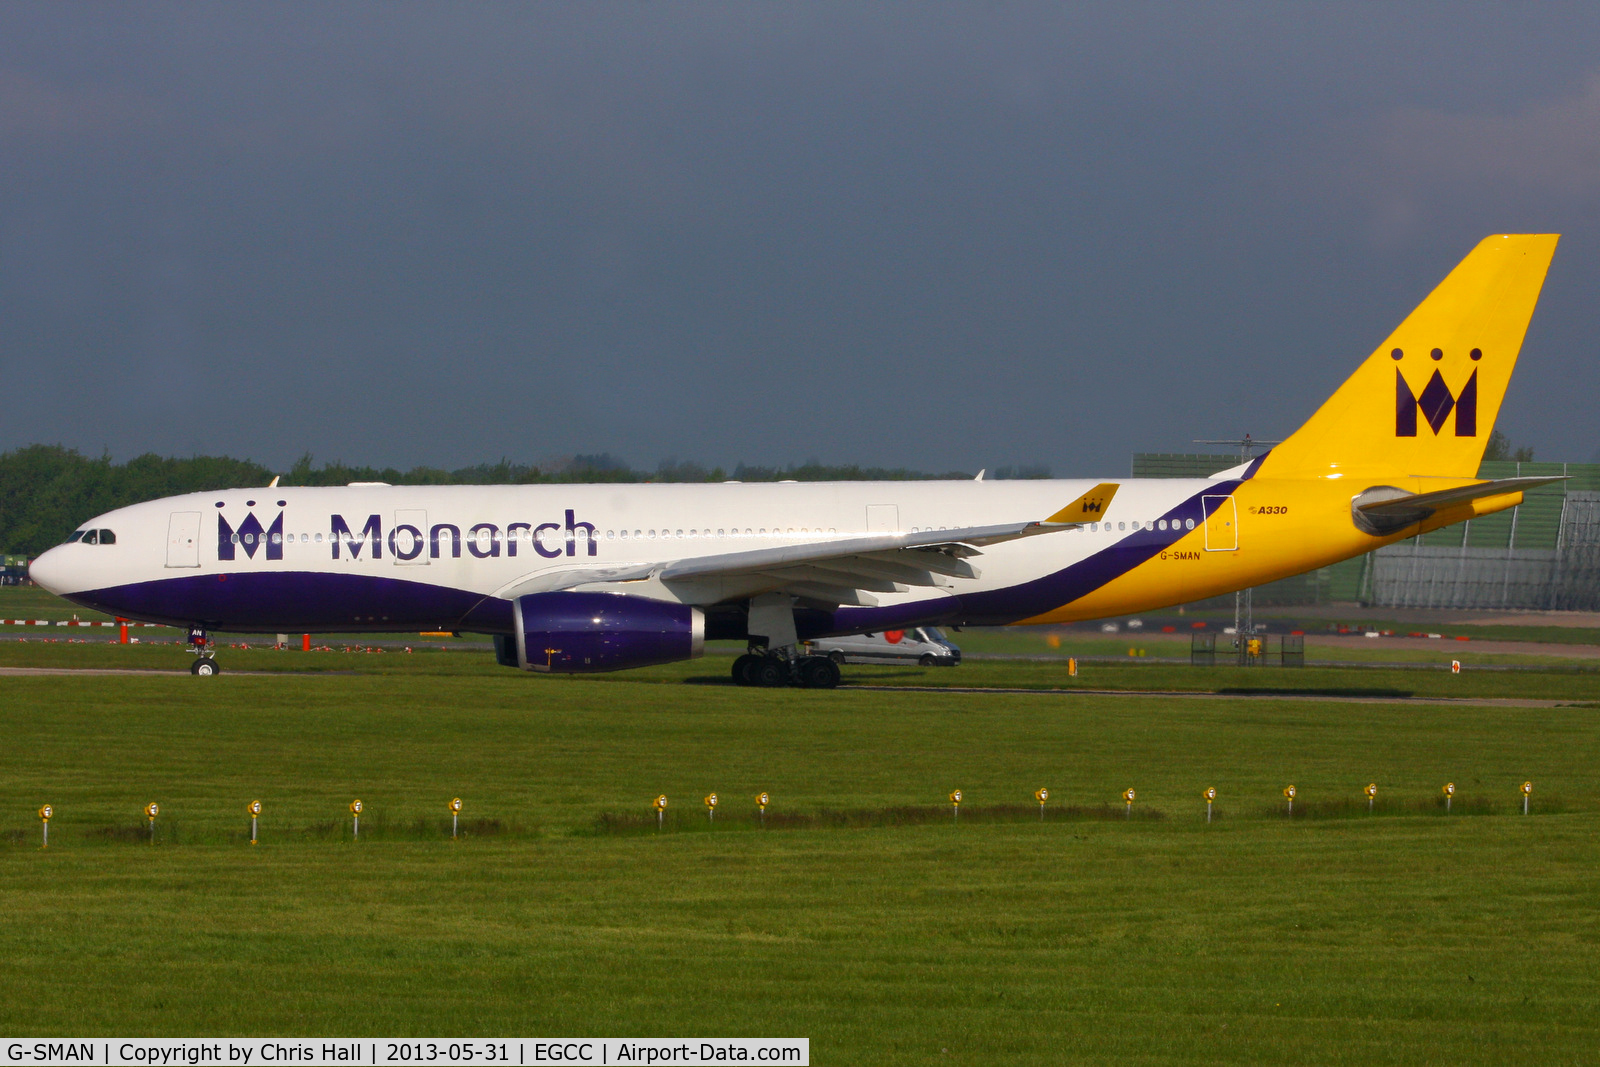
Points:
(371, 557)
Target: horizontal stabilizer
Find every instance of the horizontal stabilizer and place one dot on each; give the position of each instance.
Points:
(1386, 510)
(1087, 508)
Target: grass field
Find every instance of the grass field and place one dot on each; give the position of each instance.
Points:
(1405, 937)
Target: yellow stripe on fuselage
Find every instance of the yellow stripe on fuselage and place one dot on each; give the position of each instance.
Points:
(1284, 527)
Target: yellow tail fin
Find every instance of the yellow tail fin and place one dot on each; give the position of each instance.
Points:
(1425, 401)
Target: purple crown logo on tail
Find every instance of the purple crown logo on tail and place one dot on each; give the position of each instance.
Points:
(1435, 404)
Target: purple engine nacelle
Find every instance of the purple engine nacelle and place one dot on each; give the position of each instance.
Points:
(582, 633)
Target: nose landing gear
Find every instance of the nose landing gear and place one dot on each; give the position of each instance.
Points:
(205, 660)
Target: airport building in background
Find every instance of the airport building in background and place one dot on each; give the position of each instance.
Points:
(1543, 555)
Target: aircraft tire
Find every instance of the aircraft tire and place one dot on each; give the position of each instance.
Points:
(741, 669)
(819, 672)
(769, 672)
(204, 667)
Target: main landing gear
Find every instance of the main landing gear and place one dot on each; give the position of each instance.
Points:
(205, 660)
(772, 669)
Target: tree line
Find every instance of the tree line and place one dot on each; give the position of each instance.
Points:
(47, 491)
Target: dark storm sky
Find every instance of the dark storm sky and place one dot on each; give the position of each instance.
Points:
(941, 236)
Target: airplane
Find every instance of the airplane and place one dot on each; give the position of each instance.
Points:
(587, 578)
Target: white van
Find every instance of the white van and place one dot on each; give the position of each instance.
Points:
(923, 645)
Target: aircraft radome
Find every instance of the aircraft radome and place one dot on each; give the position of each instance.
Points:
(575, 578)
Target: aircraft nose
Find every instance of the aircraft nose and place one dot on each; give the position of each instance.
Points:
(53, 571)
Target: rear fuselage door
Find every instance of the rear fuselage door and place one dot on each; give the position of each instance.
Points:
(183, 539)
(1222, 523)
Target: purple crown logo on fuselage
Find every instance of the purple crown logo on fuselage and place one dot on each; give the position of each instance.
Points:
(250, 536)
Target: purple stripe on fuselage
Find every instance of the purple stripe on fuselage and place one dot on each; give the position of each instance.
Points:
(1255, 465)
(1000, 606)
(267, 602)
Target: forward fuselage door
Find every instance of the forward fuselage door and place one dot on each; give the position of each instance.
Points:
(183, 539)
(409, 538)
(1222, 523)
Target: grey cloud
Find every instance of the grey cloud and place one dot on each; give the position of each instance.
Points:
(932, 235)
(1551, 145)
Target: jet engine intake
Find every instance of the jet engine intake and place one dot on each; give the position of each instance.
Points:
(586, 633)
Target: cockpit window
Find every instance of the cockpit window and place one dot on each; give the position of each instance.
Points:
(91, 537)
(107, 537)
(77, 535)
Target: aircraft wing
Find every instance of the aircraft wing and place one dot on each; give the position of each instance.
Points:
(835, 571)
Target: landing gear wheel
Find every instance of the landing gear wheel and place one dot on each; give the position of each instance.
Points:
(742, 667)
(819, 672)
(769, 672)
(204, 667)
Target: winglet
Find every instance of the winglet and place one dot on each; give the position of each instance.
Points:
(1088, 507)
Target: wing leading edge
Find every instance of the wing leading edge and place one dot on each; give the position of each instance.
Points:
(833, 572)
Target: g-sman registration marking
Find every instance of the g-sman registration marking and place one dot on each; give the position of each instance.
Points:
(1191, 554)
(50, 1052)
